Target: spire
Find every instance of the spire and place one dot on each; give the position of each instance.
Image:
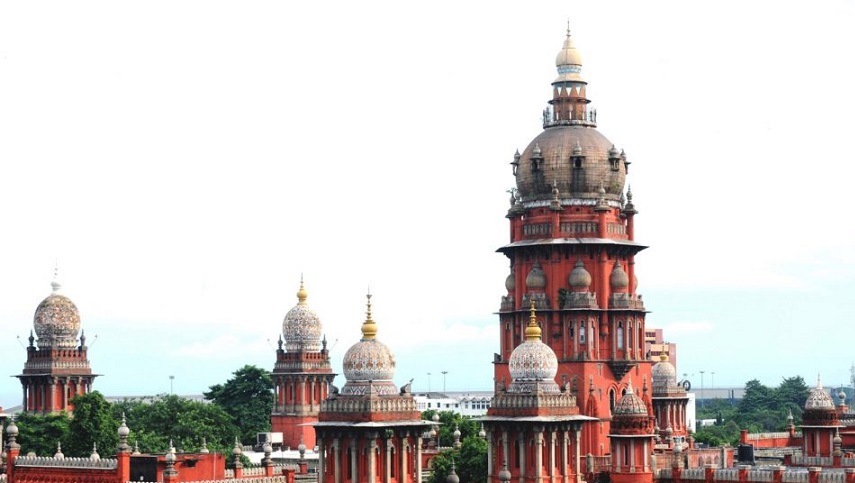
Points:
(532, 331)
(369, 327)
(55, 284)
(301, 294)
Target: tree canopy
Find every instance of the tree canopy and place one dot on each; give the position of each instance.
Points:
(761, 409)
(470, 460)
(248, 398)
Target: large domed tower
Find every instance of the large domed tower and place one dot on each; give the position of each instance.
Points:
(57, 367)
(302, 374)
(572, 252)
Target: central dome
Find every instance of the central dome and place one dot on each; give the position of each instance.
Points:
(630, 404)
(818, 398)
(56, 321)
(575, 176)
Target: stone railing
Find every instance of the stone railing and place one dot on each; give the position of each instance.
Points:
(832, 477)
(49, 461)
(756, 436)
(794, 477)
(726, 474)
(761, 476)
(263, 479)
(811, 461)
(626, 301)
(693, 474)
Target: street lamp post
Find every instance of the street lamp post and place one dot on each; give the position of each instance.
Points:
(443, 380)
(702, 388)
(712, 382)
(428, 381)
(171, 378)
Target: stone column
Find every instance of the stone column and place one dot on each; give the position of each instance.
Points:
(538, 454)
(24, 404)
(372, 457)
(337, 459)
(353, 459)
(521, 449)
(417, 461)
(551, 472)
(387, 463)
(319, 441)
(490, 449)
(52, 398)
(403, 449)
(577, 454)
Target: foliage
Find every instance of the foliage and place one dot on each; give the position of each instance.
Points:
(470, 463)
(248, 398)
(761, 409)
(92, 423)
(40, 433)
(448, 421)
(154, 423)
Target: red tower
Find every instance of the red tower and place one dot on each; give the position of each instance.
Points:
(631, 440)
(669, 402)
(820, 423)
(572, 253)
(534, 427)
(370, 431)
(57, 367)
(302, 375)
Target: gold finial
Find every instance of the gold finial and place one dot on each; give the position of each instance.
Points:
(369, 328)
(532, 332)
(568, 27)
(663, 356)
(301, 294)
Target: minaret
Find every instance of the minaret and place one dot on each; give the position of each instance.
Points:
(631, 440)
(820, 422)
(572, 252)
(370, 431)
(302, 375)
(533, 427)
(57, 367)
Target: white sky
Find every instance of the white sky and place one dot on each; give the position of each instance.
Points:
(186, 161)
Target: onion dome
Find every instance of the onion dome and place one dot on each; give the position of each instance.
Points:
(818, 398)
(369, 360)
(630, 404)
(533, 362)
(619, 280)
(302, 327)
(95, 456)
(510, 282)
(536, 279)
(579, 279)
(58, 455)
(56, 320)
(841, 396)
(568, 62)
(504, 474)
(664, 376)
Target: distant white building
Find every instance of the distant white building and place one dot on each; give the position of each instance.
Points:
(470, 404)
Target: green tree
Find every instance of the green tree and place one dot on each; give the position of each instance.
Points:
(470, 462)
(92, 423)
(157, 421)
(40, 433)
(248, 398)
(448, 421)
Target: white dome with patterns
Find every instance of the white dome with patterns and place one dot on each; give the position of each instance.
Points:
(302, 326)
(57, 320)
(369, 359)
(533, 362)
(664, 376)
(818, 398)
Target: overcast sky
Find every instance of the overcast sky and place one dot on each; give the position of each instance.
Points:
(186, 161)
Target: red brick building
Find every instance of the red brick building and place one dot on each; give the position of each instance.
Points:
(301, 376)
(57, 367)
(572, 254)
(370, 431)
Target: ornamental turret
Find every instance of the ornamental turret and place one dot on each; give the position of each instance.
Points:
(57, 367)
(302, 374)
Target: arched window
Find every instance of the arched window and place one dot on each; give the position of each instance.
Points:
(582, 332)
(620, 335)
(612, 399)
